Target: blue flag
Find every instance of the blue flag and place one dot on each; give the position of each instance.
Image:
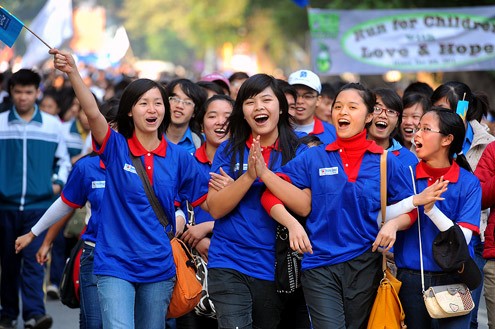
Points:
(301, 3)
(10, 27)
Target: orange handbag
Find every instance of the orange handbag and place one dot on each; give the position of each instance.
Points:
(187, 288)
(387, 311)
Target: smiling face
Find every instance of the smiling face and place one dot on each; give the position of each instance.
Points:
(148, 112)
(214, 122)
(350, 114)
(306, 103)
(181, 113)
(410, 121)
(262, 113)
(383, 124)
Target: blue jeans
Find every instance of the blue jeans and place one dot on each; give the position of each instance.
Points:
(20, 271)
(90, 316)
(244, 302)
(128, 305)
(476, 293)
(411, 297)
(341, 296)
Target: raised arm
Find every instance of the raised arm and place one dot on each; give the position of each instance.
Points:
(64, 62)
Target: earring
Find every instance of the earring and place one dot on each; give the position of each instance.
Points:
(280, 111)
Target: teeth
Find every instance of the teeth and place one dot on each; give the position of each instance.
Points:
(300, 108)
(343, 121)
(220, 131)
(408, 130)
(381, 123)
(261, 116)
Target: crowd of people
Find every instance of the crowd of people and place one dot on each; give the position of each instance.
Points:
(247, 155)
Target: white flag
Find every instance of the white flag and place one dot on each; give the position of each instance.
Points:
(53, 24)
(118, 46)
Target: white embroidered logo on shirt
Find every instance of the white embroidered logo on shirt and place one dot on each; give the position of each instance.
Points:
(328, 171)
(130, 168)
(98, 184)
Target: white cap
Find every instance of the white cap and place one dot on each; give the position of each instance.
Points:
(306, 78)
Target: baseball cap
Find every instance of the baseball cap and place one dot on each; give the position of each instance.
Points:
(306, 78)
(451, 253)
(217, 78)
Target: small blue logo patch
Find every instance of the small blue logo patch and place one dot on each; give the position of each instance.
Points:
(130, 168)
(328, 171)
(303, 74)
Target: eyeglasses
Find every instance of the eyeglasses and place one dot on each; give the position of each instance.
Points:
(307, 97)
(390, 113)
(427, 130)
(177, 100)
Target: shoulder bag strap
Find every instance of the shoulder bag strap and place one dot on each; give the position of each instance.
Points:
(383, 198)
(155, 204)
(419, 234)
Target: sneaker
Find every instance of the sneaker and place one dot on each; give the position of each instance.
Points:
(39, 322)
(6, 323)
(53, 292)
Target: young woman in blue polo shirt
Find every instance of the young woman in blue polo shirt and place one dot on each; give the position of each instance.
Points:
(133, 257)
(241, 258)
(337, 187)
(213, 117)
(439, 138)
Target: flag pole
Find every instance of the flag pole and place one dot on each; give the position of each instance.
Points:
(46, 44)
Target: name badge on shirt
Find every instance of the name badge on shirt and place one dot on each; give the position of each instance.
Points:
(130, 168)
(244, 167)
(98, 184)
(328, 171)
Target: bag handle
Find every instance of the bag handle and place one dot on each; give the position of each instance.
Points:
(155, 204)
(419, 234)
(383, 199)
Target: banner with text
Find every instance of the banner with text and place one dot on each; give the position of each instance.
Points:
(377, 41)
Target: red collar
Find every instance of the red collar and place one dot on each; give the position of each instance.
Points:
(138, 150)
(424, 171)
(200, 154)
(318, 127)
(249, 143)
(358, 140)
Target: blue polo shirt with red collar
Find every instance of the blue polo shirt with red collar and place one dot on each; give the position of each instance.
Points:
(462, 205)
(244, 239)
(342, 224)
(324, 131)
(200, 215)
(86, 182)
(131, 242)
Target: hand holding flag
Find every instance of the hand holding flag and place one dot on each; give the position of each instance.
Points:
(63, 61)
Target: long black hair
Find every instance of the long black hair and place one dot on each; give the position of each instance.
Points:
(130, 96)
(240, 130)
(454, 91)
(450, 123)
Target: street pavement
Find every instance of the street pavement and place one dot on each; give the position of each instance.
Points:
(66, 318)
